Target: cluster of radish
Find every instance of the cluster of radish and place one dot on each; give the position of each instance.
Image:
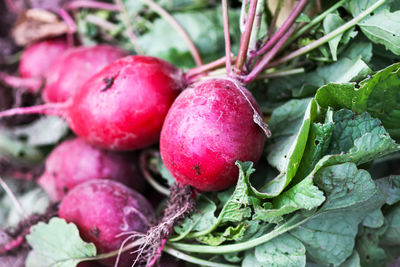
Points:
(116, 103)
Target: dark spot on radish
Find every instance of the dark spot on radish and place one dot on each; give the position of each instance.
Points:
(227, 87)
(197, 169)
(65, 189)
(95, 231)
(108, 82)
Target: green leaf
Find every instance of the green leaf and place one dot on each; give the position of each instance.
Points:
(288, 149)
(352, 261)
(205, 28)
(46, 131)
(303, 18)
(317, 145)
(368, 247)
(17, 151)
(201, 220)
(57, 244)
(304, 195)
(349, 126)
(351, 66)
(230, 233)
(381, 26)
(390, 187)
(331, 23)
(351, 195)
(378, 95)
(374, 220)
(392, 234)
(284, 250)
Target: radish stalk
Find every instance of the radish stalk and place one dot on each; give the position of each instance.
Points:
(90, 4)
(227, 37)
(283, 29)
(245, 38)
(268, 57)
(303, 50)
(172, 21)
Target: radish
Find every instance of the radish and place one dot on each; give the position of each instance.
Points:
(69, 72)
(208, 128)
(74, 162)
(123, 106)
(39, 57)
(102, 211)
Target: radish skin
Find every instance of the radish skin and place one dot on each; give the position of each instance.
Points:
(103, 210)
(208, 128)
(74, 162)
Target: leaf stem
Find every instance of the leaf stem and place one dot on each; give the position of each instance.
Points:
(225, 15)
(143, 160)
(171, 20)
(129, 29)
(314, 22)
(91, 4)
(284, 28)
(280, 73)
(274, 19)
(245, 38)
(14, 200)
(209, 66)
(178, 254)
(260, 66)
(329, 36)
(292, 223)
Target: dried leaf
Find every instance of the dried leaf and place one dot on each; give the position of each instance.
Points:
(36, 24)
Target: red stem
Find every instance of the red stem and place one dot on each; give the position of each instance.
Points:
(14, 243)
(260, 66)
(285, 26)
(57, 109)
(245, 38)
(157, 256)
(91, 4)
(204, 68)
(175, 24)
(33, 84)
(71, 25)
(227, 37)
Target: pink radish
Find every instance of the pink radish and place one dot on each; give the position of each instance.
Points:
(39, 57)
(74, 162)
(209, 127)
(123, 106)
(69, 72)
(103, 210)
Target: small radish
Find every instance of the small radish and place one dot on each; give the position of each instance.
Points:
(69, 72)
(209, 127)
(74, 162)
(123, 106)
(39, 57)
(103, 210)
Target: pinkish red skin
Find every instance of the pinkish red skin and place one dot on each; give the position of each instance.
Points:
(70, 71)
(39, 57)
(103, 209)
(209, 127)
(74, 162)
(123, 106)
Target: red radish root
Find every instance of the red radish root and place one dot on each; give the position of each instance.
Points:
(102, 211)
(69, 72)
(74, 162)
(39, 57)
(208, 128)
(123, 106)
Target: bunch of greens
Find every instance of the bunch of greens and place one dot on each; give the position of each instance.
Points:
(327, 191)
